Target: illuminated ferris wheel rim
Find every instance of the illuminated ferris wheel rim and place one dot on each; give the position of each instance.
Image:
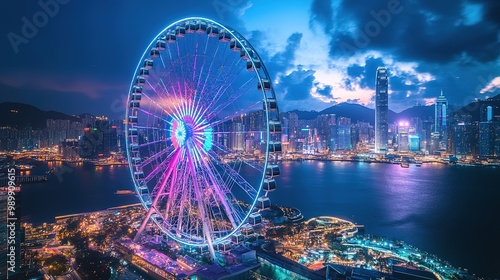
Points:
(180, 132)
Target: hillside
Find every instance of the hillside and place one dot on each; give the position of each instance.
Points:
(356, 112)
(474, 108)
(20, 115)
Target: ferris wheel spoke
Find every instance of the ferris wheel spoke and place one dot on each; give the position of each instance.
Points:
(153, 207)
(154, 115)
(232, 207)
(212, 192)
(226, 84)
(254, 165)
(155, 142)
(184, 72)
(208, 71)
(220, 193)
(215, 82)
(157, 93)
(150, 128)
(225, 195)
(184, 190)
(159, 167)
(207, 224)
(237, 94)
(159, 189)
(153, 101)
(236, 114)
(237, 132)
(169, 151)
(185, 201)
(235, 176)
(162, 182)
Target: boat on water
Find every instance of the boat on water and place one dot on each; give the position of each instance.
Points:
(125, 192)
(109, 163)
(418, 163)
(23, 167)
(405, 164)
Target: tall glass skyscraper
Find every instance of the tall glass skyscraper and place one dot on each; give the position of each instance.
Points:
(381, 110)
(440, 119)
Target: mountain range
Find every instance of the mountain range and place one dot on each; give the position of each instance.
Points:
(358, 112)
(20, 115)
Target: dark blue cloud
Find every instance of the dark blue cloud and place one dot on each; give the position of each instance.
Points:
(322, 13)
(284, 60)
(355, 70)
(280, 62)
(326, 91)
(427, 31)
(297, 85)
(366, 72)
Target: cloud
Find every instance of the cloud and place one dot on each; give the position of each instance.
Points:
(284, 60)
(430, 101)
(492, 86)
(297, 85)
(430, 31)
(322, 13)
(89, 87)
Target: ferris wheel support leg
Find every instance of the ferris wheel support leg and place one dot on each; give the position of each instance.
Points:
(170, 169)
(206, 222)
(143, 225)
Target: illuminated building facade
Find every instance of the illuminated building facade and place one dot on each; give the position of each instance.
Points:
(440, 111)
(414, 143)
(381, 110)
(403, 140)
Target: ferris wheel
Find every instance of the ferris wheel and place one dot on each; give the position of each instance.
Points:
(202, 133)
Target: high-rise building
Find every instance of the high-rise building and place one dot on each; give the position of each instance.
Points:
(70, 149)
(100, 139)
(238, 141)
(381, 110)
(293, 126)
(487, 134)
(463, 138)
(440, 109)
(414, 143)
(344, 134)
(486, 139)
(496, 129)
(403, 140)
(57, 131)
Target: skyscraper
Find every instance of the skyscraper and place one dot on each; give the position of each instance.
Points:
(487, 137)
(440, 109)
(381, 110)
(403, 140)
(344, 134)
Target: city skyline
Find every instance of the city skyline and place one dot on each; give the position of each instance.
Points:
(119, 117)
(317, 54)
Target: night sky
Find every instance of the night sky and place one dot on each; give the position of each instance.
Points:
(82, 56)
